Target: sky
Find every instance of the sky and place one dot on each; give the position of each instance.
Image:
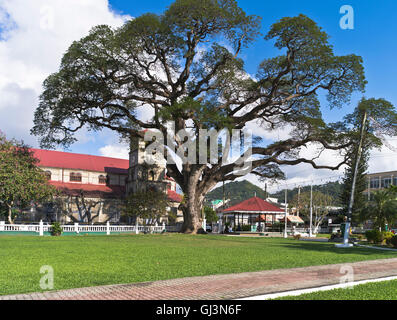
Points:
(34, 34)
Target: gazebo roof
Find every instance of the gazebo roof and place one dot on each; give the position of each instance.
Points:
(254, 205)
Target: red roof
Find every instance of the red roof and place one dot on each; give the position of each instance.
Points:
(254, 205)
(96, 191)
(58, 159)
(173, 196)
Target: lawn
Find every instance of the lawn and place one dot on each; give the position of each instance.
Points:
(81, 261)
(385, 290)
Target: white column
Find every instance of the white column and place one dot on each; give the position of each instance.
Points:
(76, 227)
(205, 224)
(163, 226)
(136, 226)
(107, 228)
(2, 224)
(220, 226)
(41, 228)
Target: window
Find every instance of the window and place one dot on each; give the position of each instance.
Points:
(395, 181)
(75, 177)
(102, 179)
(386, 182)
(48, 174)
(375, 183)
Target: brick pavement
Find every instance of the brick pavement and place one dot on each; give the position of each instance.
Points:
(219, 287)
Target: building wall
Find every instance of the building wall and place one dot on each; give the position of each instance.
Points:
(88, 177)
(378, 181)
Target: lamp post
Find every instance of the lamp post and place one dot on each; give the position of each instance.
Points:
(285, 217)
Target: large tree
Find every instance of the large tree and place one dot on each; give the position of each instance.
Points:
(185, 65)
(381, 119)
(22, 182)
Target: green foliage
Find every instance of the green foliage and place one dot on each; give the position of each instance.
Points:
(56, 229)
(393, 241)
(148, 204)
(387, 236)
(210, 215)
(382, 209)
(374, 236)
(22, 182)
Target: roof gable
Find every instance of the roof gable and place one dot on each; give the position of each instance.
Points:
(254, 204)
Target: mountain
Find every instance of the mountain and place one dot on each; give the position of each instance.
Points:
(237, 192)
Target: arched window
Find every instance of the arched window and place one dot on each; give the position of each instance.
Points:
(102, 179)
(151, 176)
(47, 174)
(75, 177)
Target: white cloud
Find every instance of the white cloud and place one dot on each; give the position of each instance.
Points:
(115, 151)
(33, 37)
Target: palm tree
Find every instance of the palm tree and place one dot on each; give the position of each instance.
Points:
(382, 210)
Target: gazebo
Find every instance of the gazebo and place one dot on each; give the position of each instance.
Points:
(252, 211)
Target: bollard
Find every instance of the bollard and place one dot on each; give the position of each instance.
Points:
(107, 228)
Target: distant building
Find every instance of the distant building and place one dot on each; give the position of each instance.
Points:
(378, 181)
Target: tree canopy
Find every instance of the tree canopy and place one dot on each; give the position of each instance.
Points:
(186, 65)
(22, 182)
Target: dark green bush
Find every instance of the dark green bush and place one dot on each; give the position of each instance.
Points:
(246, 228)
(374, 236)
(387, 236)
(393, 241)
(56, 229)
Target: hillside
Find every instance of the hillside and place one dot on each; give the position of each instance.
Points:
(236, 191)
(242, 190)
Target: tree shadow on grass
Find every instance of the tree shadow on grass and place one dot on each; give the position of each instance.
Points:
(330, 247)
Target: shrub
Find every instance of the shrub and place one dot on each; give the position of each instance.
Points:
(393, 241)
(246, 228)
(56, 229)
(374, 236)
(387, 236)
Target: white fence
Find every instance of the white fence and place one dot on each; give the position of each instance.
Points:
(76, 228)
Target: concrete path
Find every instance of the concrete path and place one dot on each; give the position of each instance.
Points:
(231, 286)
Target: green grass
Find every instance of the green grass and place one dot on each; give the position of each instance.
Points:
(385, 290)
(323, 235)
(81, 261)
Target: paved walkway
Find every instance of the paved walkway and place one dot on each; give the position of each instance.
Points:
(231, 286)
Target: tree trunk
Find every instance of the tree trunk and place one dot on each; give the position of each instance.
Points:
(192, 220)
(191, 207)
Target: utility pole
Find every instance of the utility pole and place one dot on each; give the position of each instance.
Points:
(299, 203)
(351, 203)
